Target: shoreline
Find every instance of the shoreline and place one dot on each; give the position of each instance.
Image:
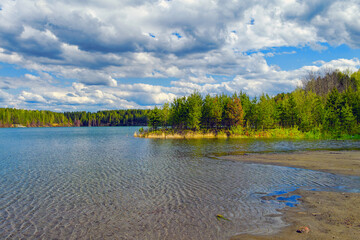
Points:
(288, 133)
(337, 162)
(328, 215)
(277, 133)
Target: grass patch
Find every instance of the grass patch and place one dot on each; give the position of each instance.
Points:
(240, 132)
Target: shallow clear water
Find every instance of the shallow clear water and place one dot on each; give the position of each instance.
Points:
(102, 183)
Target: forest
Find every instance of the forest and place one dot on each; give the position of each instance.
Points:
(10, 117)
(327, 104)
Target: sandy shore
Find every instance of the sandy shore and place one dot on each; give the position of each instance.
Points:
(339, 162)
(328, 215)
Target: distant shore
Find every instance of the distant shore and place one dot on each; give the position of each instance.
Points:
(328, 215)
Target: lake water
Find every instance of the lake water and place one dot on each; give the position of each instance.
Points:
(102, 183)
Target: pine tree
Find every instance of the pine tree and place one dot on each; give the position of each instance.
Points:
(347, 119)
(155, 118)
(194, 105)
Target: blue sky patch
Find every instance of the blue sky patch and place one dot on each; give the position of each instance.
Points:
(165, 82)
(151, 35)
(177, 35)
(12, 70)
(291, 58)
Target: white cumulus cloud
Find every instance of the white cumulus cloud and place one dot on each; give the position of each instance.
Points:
(84, 55)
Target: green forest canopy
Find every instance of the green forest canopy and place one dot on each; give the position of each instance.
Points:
(330, 102)
(34, 118)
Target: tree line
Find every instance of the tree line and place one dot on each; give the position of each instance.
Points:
(10, 117)
(326, 103)
(130, 117)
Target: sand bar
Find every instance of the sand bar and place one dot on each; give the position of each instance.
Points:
(328, 215)
(339, 162)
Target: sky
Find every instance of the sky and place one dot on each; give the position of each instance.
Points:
(72, 55)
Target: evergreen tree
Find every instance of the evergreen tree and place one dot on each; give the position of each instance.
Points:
(155, 118)
(245, 104)
(347, 119)
(179, 113)
(266, 112)
(165, 115)
(332, 111)
(194, 106)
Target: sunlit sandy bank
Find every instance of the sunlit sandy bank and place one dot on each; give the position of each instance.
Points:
(339, 162)
(328, 215)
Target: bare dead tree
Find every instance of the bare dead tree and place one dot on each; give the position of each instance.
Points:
(322, 82)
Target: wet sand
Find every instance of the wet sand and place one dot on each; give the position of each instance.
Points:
(328, 215)
(338, 162)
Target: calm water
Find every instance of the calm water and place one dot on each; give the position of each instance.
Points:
(102, 183)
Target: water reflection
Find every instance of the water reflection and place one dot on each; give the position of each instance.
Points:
(77, 183)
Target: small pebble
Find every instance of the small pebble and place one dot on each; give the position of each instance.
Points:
(316, 214)
(303, 230)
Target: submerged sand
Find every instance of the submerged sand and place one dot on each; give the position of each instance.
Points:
(328, 215)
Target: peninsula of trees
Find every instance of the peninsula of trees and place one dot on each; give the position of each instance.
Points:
(326, 106)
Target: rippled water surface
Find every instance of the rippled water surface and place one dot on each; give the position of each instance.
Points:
(102, 183)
